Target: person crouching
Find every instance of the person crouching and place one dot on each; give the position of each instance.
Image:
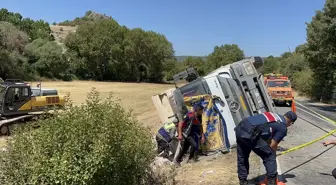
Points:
(164, 137)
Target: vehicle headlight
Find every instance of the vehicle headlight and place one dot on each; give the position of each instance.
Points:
(248, 68)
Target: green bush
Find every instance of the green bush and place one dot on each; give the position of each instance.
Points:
(303, 82)
(96, 143)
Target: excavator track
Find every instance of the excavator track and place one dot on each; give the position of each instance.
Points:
(6, 122)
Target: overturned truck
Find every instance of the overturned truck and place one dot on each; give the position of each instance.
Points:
(229, 94)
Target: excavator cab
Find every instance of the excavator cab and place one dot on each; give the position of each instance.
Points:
(15, 99)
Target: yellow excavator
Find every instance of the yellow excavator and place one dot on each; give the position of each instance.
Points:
(19, 101)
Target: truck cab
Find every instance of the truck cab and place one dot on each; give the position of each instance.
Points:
(238, 90)
(279, 88)
(250, 82)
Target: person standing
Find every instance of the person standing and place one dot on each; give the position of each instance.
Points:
(189, 129)
(261, 134)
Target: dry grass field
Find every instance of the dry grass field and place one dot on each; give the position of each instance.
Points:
(135, 96)
(219, 169)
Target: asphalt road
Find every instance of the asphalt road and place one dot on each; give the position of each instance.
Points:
(309, 165)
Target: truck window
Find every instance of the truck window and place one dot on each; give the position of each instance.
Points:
(193, 89)
(224, 85)
(278, 84)
(25, 93)
(49, 92)
(36, 92)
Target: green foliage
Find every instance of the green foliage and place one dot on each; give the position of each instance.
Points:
(11, 65)
(35, 29)
(321, 50)
(11, 38)
(47, 59)
(303, 81)
(12, 42)
(172, 67)
(223, 55)
(96, 143)
(108, 51)
(293, 63)
(198, 63)
(90, 16)
(271, 65)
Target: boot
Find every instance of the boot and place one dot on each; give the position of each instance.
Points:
(271, 181)
(243, 182)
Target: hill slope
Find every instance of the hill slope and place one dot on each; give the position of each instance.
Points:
(183, 57)
(62, 29)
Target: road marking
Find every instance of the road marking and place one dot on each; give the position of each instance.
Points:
(321, 118)
(326, 119)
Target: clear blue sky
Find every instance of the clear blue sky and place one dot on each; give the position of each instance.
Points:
(259, 27)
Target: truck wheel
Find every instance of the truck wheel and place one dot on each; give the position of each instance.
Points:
(4, 130)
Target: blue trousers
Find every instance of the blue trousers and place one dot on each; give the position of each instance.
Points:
(247, 143)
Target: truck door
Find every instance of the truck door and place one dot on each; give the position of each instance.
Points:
(223, 108)
(252, 86)
(234, 98)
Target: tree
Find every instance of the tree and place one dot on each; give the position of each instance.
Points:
(171, 68)
(98, 45)
(224, 54)
(321, 50)
(198, 63)
(271, 65)
(300, 49)
(108, 51)
(11, 38)
(12, 42)
(35, 29)
(294, 63)
(11, 65)
(47, 59)
(148, 49)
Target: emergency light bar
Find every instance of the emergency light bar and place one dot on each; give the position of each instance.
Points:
(274, 77)
(273, 74)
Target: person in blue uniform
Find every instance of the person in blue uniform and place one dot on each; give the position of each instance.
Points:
(164, 137)
(261, 134)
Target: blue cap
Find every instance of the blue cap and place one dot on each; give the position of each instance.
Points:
(199, 105)
(291, 116)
